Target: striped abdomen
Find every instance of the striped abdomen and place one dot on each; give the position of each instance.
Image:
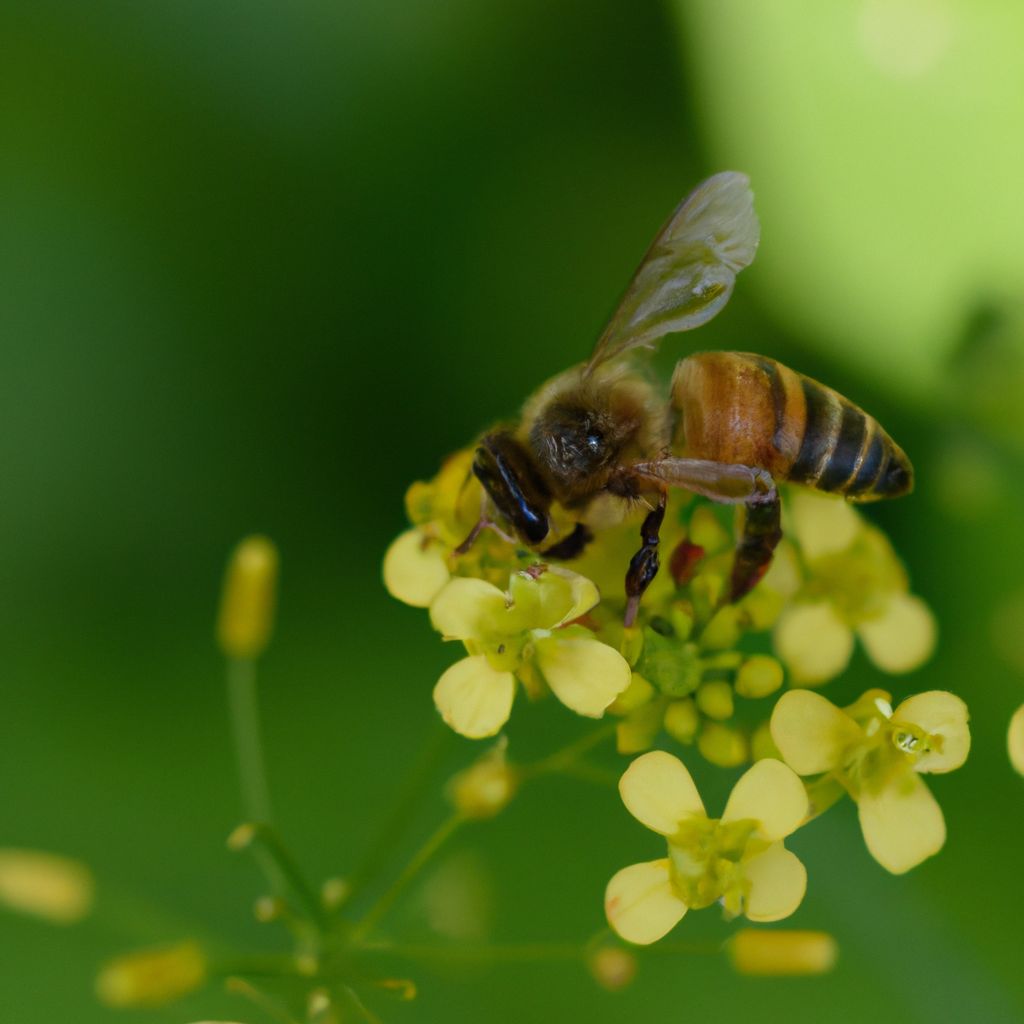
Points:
(741, 408)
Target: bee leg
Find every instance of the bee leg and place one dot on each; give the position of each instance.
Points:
(762, 531)
(571, 546)
(643, 566)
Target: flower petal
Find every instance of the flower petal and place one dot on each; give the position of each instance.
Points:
(1015, 740)
(468, 609)
(584, 594)
(822, 524)
(778, 882)
(415, 568)
(940, 714)
(771, 794)
(658, 791)
(474, 698)
(902, 824)
(583, 673)
(903, 638)
(812, 734)
(641, 904)
(813, 641)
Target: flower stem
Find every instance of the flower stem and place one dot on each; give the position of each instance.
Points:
(279, 868)
(245, 724)
(408, 799)
(525, 952)
(562, 759)
(419, 860)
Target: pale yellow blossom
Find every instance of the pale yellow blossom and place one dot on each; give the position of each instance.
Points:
(523, 632)
(878, 754)
(738, 859)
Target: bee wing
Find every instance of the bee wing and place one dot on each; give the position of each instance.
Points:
(688, 273)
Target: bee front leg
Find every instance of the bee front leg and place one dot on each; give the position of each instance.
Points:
(570, 547)
(643, 566)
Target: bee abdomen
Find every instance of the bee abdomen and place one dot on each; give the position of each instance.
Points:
(842, 449)
(743, 408)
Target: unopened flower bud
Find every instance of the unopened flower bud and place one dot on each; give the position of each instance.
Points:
(612, 967)
(334, 892)
(247, 602)
(46, 885)
(484, 788)
(638, 692)
(722, 745)
(762, 745)
(152, 977)
(682, 720)
(714, 699)
(759, 676)
(777, 952)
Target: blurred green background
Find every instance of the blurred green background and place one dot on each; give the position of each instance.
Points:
(262, 265)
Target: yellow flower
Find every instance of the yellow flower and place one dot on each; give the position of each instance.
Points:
(525, 633)
(879, 754)
(45, 884)
(738, 859)
(420, 561)
(1015, 739)
(852, 584)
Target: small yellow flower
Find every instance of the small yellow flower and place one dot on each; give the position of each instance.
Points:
(1015, 739)
(738, 859)
(852, 585)
(152, 977)
(781, 953)
(879, 754)
(519, 633)
(49, 886)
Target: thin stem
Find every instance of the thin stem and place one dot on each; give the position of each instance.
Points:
(361, 1008)
(408, 799)
(420, 859)
(240, 987)
(562, 759)
(526, 952)
(278, 866)
(245, 724)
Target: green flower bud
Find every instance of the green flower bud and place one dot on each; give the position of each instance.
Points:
(759, 676)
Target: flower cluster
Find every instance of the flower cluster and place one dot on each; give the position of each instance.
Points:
(693, 668)
(693, 663)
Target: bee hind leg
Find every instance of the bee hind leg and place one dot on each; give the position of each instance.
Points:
(762, 531)
(643, 566)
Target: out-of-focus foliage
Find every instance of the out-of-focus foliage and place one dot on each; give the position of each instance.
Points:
(261, 265)
(880, 136)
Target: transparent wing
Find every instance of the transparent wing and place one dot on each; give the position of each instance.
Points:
(688, 273)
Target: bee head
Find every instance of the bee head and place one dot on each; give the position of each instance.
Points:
(579, 439)
(515, 486)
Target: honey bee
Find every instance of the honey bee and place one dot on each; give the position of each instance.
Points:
(733, 425)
